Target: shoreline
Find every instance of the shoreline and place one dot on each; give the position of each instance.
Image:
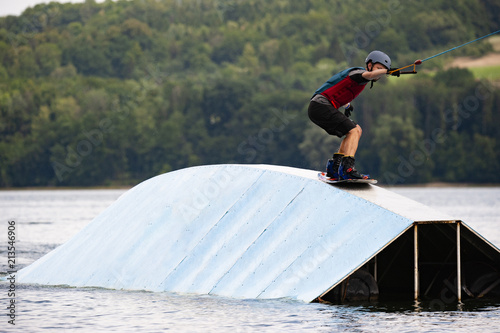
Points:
(119, 187)
(442, 185)
(63, 188)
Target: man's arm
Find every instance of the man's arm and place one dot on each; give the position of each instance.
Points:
(375, 74)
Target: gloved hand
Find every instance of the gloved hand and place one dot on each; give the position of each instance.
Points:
(396, 73)
(348, 110)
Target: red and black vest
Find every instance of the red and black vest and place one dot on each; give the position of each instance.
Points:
(341, 89)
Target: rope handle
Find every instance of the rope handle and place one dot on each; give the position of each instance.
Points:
(419, 62)
(414, 71)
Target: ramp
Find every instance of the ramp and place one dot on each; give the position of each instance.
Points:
(249, 231)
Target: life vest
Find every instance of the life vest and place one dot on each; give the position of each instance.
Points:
(341, 89)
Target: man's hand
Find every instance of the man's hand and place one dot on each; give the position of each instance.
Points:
(348, 110)
(394, 72)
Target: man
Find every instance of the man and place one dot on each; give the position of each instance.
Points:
(339, 91)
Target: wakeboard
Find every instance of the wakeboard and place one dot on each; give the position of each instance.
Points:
(322, 176)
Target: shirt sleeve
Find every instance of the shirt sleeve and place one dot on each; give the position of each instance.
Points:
(357, 76)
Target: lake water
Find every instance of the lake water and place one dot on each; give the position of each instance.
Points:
(47, 218)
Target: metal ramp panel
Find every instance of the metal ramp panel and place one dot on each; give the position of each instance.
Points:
(249, 231)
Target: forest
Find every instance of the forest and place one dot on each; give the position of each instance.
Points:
(113, 93)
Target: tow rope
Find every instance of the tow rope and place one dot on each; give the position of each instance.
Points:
(419, 62)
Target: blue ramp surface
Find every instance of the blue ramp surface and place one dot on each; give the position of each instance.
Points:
(233, 230)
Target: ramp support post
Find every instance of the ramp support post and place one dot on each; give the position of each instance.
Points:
(459, 265)
(415, 264)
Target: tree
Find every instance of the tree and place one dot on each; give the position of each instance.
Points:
(25, 64)
(48, 58)
(116, 92)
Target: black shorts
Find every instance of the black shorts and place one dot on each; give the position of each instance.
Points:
(330, 119)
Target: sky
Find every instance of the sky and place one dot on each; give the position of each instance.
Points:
(16, 7)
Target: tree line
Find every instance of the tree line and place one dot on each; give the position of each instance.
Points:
(117, 92)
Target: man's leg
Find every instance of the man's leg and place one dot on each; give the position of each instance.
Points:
(349, 144)
(348, 147)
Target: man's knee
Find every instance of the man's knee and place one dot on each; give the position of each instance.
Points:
(357, 131)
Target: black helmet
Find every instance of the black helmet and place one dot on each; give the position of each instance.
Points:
(380, 57)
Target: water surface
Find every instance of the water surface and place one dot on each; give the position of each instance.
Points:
(48, 218)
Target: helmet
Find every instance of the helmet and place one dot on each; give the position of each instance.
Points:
(380, 57)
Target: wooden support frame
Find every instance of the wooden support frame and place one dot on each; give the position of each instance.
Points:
(416, 277)
(459, 265)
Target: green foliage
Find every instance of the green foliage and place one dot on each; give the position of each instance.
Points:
(120, 91)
